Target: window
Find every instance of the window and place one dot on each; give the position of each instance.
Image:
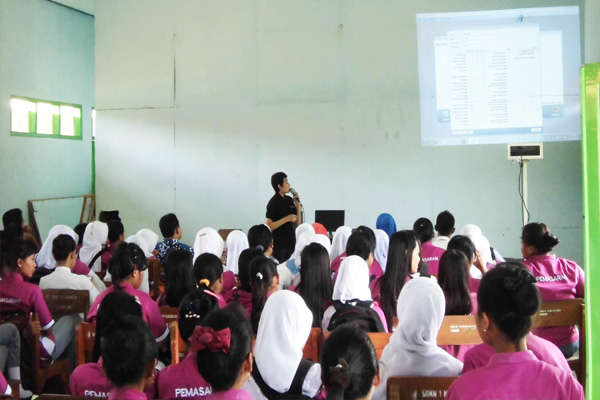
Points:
(43, 118)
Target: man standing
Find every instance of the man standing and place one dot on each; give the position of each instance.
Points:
(283, 215)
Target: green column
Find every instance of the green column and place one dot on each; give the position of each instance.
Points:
(590, 146)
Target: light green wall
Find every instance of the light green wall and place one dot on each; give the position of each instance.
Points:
(46, 52)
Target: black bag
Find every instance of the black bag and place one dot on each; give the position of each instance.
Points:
(360, 315)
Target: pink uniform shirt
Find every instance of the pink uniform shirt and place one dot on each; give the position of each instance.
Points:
(543, 350)
(182, 380)
(18, 295)
(3, 384)
(80, 268)
(126, 394)
(557, 279)
(150, 311)
(375, 271)
(431, 255)
(89, 380)
(231, 394)
(244, 298)
(510, 376)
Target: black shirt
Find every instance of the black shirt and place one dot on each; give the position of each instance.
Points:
(284, 237)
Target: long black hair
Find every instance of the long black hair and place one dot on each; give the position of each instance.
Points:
(538, 235)
(399, 262)
(178, 273)
(454, 281)
(127, 258)
(262, 272)
(315, 285)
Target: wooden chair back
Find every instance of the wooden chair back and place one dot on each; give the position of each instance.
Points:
(14, 387)
(169, 314)
(312, 348)
(154, 277)
(85, 335)
(418, 387)
(379, 340)
(567, 313)
(178, 345)
(67, 301)
(458, 330)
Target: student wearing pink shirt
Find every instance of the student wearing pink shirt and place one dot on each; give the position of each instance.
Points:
(127, 267)
(129, 358)
(183, 379)
(361, 243)
(223, 345)
(508, 302)
(430, 254)
(265, 281)
(208, 273)
(477, 266)
(243, 293)
(403, 261)
(557, 279)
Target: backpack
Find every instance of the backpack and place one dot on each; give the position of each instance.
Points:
(295, 391)
(360, 315)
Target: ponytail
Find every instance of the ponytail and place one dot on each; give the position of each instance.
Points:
(262, 272)
(127, 258)
(207, 270)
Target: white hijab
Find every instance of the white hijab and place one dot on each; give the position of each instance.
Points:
(151, 239)
(236, 243)
(340, 238)
(305, 239)
(95, 236)
(141, 242)
(305, 227)
(381, 248)
(44, 258)
(324, 241)
(481, 243)
(283, 329)
(412, 349)
(208, 240)
(352, 280)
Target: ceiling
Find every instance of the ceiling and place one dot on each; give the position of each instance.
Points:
(85, 6)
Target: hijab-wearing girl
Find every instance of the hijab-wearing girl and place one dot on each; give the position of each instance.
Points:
(94, 243)
(402, 262)
(508, 302)
(349, 367)
(236, 243)
(413, 350)
(557, 279)
(183, 379)
(279, 368)
(352, 289)
(208, 273)
(489, 254)
(339, 241)
(208, 240)
(305, 227)
(126, 267)
(45, 259)
(90, 379)
(19, 295)
(179, 278)
(129, 357)
(265, 281)
(223, 344)
(387, 223)
(315, 284)
(382, 245)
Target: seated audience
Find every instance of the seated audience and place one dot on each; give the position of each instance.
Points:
(171, 231)
(386, 223)
(423, 229)
(243, 293)
(236, 243)
(179, 278)
(444, 225)
(339, 241)
(261, 235)
(208, 274)
(315, 284)
(94, 245)
(10, 358)
(265, 282)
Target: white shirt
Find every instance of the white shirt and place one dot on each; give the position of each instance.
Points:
(63, 278)
(441, 242)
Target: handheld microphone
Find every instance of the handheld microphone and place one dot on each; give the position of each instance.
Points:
(293, 191)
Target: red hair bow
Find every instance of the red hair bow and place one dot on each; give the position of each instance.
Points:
(205, 337)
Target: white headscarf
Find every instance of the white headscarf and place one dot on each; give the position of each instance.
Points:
(141, 242)
(283, 329)
(324, 241)
(208, 240)
(95, 236)
(236, 243)
(481, 243)
(381, 248)
(305, 239)
(151, 239)
(44, 258)
(305, 227)
(412, 349)
(352, 280)
(340, 238)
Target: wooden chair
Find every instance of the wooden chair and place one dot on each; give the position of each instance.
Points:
(178, 345)
(312, 348)
(458, 330)
(418, 387)
(567, 313)
(67, 301)
(14, 387)
(154, 277)
(169, 314)
(85, 335)
(40, 374)
(379, 340)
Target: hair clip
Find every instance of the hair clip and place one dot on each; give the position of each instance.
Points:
(339, 374)
(260, 247)
(205, 282)
(205, 337)
(259, 275)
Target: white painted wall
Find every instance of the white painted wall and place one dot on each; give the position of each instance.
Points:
(46, 52)
(200, 102)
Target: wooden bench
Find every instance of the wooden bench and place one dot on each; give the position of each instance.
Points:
(85, 336)
(418, 387)
(67, 301)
